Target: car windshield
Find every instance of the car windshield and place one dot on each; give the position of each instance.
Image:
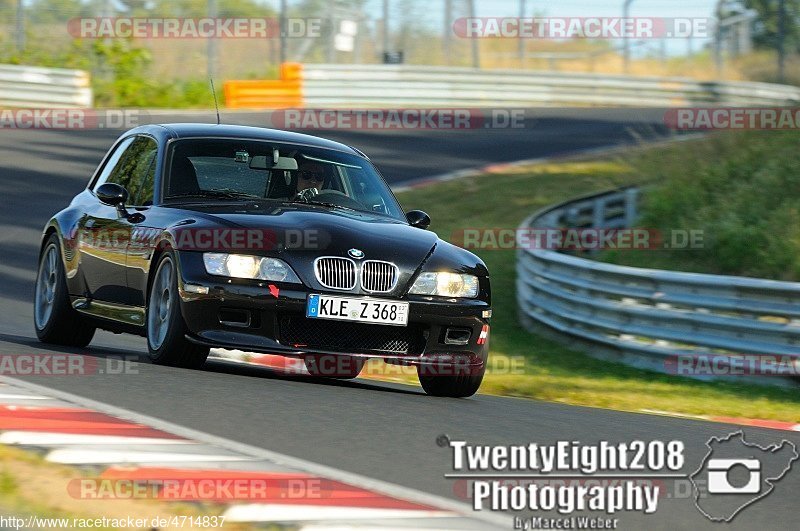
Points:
(233, 169)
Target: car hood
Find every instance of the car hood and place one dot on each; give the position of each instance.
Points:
(303, 234)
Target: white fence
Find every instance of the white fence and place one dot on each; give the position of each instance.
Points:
(36, 87)
(333, 85)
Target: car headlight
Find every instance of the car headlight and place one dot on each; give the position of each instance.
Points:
(246, 266)
(446, 285)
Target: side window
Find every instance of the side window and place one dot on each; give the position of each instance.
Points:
(134, 164)
(144, 196)
(112, 162)
(143, 174)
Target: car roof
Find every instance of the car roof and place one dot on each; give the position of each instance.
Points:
(199, 130)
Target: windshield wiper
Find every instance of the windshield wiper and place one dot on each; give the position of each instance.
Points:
(332, 205)
(308, 197)
(217, 194)
(304, 201)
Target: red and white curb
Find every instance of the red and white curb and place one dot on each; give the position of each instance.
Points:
(282, 364)
(754, 423)
(120, 445)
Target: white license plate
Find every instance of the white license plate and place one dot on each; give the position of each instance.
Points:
(355, 309)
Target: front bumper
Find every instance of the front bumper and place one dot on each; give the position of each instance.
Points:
(268, 317)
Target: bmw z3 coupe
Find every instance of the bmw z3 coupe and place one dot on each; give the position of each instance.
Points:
(201, 236)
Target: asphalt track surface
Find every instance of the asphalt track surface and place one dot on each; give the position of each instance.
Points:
(379, 430)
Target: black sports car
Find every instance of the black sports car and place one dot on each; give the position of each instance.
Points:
(199, 236)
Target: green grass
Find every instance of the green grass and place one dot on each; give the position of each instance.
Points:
(742, 190)
(551, 371)
(30, 485)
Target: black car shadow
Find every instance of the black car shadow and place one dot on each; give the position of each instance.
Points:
(222, 366)
(213, 365)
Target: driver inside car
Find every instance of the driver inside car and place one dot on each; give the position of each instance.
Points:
(310, 174)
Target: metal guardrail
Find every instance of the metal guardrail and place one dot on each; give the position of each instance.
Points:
(333, 85)
(651, 318)
(36, 87)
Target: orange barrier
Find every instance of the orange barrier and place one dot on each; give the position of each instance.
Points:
(267, 94)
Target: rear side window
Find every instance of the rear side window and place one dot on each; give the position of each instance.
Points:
(133, 166)
(143, 176)
(112, 162)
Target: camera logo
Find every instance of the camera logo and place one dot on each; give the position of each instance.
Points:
(735, 474)
(718, 482)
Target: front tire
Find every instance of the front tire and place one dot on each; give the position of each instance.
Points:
(54, 318)
(166, 329)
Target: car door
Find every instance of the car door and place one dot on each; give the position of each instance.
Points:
(105, 232)
(145, 228)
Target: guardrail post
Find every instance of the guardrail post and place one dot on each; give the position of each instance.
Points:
(598, 213)
(572, 216)
(20, 27)
(631, 206)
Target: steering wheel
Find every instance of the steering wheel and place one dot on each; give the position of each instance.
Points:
(340, 198)
(327, 191)
(337, 198)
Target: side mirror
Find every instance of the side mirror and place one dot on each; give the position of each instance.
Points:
(418, 219)
(112, 194)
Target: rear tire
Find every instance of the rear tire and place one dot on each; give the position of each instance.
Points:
(54, 318)
(334, 367)
(166, 329)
